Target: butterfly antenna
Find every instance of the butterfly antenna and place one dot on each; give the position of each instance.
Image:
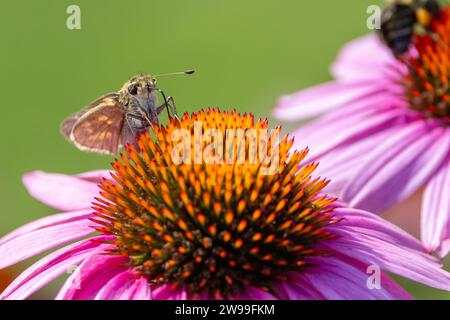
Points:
(188, 72)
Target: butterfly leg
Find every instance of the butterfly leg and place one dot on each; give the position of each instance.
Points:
(135, 124)
(172, 106)
(165, 105)
(139, 122)
(169, 104)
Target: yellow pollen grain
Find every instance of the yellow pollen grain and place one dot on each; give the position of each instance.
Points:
(229, 217)
(256, 214)
(168, 214)
(212, 230)
(269, 238)
(267, 199)
(257, 237)
(226, 236)
(201, 218)
(183, 226)
(253, 196)
(242, 225)
(217, 208)
(241, 206)
(271, 218)
(207, 199)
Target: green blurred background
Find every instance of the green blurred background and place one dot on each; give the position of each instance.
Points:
(246, 53)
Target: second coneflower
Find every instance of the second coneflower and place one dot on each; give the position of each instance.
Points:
(386, 134)
(173, 222)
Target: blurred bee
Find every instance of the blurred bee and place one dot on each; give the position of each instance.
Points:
(116, 119)
(400, 19)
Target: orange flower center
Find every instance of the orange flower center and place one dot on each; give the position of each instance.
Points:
(213, 228)
(427, 82)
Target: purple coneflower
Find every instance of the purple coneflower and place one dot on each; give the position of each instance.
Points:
(386, 132)
(210, 231)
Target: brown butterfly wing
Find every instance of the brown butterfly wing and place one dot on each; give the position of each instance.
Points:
(68, 124)
(98, 127)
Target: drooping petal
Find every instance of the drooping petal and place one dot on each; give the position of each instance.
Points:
(358, 109)
(362, 59)
(35, 242)
(253, 293)
(357, 77)
(396, 169)
(320, 99)
(444, 249)
(125, 286)
(166, 292)
(297, 290)
(91, 276)
(63, 192)
(46, 222)
(338, 278)
(342, 164)
(142, 290)
(358, 126)
(368, 223)
(51, 267)
(435, 220)
(376, 242)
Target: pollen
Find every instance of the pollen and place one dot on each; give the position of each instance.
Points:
(213, 228)
(428, 76)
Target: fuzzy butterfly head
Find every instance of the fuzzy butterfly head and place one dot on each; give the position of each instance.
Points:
(140, 85)
(139, 94)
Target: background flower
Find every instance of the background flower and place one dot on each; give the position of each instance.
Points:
(385, 134)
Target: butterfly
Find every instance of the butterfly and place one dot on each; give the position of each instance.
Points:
(116, 119)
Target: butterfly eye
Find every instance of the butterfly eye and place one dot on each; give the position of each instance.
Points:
(132, 89)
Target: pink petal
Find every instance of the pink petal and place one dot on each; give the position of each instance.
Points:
(397, 253)
(95, 176)
(298, 290)
(396, 169)
(51, 267)
(342, 278)
(444, 249)
(252, 293)
(142, 290)
(63, 192)
(46, 222)
(165, 292)
(436, 210)
(314, 101)
(368, 223)
(353, 62)
(341, 165)
(92, 275)
(355, 111)
(124, 286)
(359, 126)
(38, 241)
